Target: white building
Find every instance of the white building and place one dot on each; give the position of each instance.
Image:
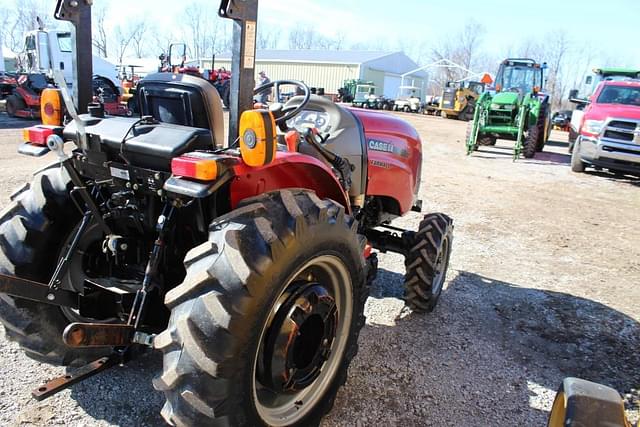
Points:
(329, 69)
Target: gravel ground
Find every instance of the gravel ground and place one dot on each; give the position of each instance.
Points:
(542, 285)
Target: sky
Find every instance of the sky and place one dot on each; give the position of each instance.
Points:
(611, 28)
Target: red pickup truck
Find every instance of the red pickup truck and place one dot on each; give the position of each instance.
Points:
(610, 131)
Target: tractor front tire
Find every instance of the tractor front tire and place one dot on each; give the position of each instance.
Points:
(33, 228)
(266, 321)
(530, 146)
(427, 261)
(543, 127)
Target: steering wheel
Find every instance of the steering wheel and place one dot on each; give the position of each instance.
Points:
(283, 114)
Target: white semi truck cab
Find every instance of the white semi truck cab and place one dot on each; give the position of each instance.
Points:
(48, 50)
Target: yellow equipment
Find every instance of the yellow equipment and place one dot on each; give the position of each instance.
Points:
(459, 99)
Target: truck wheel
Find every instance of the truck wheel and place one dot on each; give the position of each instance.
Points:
(266, 321)
(32, 231)
(577, 165)
(14, 104)
(427, 262)
(530, 142)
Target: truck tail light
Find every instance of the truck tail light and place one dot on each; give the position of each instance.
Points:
(37, 135)
(198, 165)
(51, 107)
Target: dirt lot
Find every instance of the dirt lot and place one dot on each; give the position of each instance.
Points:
(543, 284)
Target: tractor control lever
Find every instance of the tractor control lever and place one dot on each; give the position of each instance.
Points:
(341, 164)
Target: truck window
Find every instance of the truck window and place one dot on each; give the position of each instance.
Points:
(30, 43)
(64, 42)
(626, 95)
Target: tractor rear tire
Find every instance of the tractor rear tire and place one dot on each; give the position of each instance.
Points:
(15, 104)
(427, 262)
(530, 142)
(229, 315)
(33, 228)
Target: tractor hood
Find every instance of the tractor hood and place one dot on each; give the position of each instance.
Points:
(505, 98)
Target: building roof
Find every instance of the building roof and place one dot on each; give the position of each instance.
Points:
(321, 56)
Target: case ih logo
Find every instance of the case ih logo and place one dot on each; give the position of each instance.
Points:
(386, 148)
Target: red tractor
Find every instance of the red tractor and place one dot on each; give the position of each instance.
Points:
(174, 62)
(245, 260)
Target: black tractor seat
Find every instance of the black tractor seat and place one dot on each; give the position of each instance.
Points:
(148, 146)
(182, 99)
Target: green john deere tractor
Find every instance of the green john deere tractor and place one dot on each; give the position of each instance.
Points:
(516, 111)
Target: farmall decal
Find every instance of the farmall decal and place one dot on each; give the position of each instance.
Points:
(387, 147)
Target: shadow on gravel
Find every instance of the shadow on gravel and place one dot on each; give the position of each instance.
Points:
(623, 178)
(475, 358)
(124, 396)
(491, 353)
(576, 336)
(7, 122)
(552, 143)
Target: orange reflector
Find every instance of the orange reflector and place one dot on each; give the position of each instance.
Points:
(197, 165)
(257, 137)
(51, 107)
(38, 135)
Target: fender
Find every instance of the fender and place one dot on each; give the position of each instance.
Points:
(287, 170)
(394, 153)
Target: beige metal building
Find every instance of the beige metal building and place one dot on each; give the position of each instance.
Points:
(329, 69)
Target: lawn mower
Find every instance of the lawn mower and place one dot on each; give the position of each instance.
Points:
(246, 260)
(7, 84)
(24, 100)
(518, 110)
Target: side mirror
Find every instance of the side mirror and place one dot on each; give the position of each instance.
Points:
(177, 54)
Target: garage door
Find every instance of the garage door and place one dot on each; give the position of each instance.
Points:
(391, 85)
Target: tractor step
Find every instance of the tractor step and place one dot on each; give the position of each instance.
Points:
(61, 383)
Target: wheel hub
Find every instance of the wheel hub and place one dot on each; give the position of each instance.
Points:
(299, 338)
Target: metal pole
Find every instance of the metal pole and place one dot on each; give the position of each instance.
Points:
(78, 12)
(244, 14)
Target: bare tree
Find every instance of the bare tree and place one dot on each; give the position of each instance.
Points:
(22, 18)
(307, 38)
(268, 37)
(122, 38)
(100, 34)
(302, 37)
(139, 29)
(463, 48)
